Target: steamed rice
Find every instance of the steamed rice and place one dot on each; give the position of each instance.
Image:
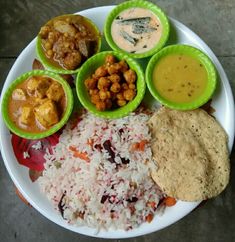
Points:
(97, 191)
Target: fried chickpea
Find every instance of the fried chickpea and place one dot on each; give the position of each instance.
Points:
(110, 59)
(130, 76)
(94, 77)
(93, 91)
(101, 72)
(121, 102)
(100, 105)
(108, 93)
(114, 78)
(103, 95)
(114, 68)
(132, 86)
(120, 96)
(116, 87)
(124, 66)
(90, 83)
(112, 84)
(129, 94)
(103, 83)
(95, 98)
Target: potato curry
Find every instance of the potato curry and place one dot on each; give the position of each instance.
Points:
(69, 40)
(37, 104)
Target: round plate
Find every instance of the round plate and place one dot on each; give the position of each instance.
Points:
(222, 103)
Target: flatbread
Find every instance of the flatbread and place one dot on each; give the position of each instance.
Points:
(190, 150)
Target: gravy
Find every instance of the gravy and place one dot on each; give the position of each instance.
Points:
(37, 112)
(180, 78)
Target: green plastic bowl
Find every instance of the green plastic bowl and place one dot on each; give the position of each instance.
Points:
(142, 4)
(190, 51)
(89, 68)
(23, 133)
(46, 62)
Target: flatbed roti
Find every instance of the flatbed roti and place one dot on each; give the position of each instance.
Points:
(190, 150)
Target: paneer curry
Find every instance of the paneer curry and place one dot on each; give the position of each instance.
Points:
(37, 104)
(69, 40)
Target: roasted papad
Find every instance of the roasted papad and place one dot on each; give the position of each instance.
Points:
(190, 150)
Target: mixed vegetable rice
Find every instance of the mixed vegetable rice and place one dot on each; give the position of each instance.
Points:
(99, 173)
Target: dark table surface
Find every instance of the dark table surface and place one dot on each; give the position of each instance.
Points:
(213, 21)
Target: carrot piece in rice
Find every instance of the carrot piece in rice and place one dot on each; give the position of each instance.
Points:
(142, 145)
(151, 204)
(169, 201)
(149, 218)
(72, 148)
(81, 155)
(78, 154)
(139, 146)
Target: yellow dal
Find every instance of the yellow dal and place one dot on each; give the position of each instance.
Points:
(180, 78)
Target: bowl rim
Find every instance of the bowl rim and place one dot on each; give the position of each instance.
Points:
(190, 51)
(84, 98)
(46, 63)
(155, 9)
(29, 135)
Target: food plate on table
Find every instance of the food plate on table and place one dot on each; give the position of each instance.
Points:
(222, 103)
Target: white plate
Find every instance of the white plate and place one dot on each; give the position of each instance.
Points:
(222, 102)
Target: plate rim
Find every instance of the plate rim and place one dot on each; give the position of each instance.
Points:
(103, 234)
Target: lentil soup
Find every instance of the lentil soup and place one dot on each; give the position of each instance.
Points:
(180, 78)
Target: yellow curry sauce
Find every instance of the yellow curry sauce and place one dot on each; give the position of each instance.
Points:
(37, 104)
(180, 78)
(68, 41)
